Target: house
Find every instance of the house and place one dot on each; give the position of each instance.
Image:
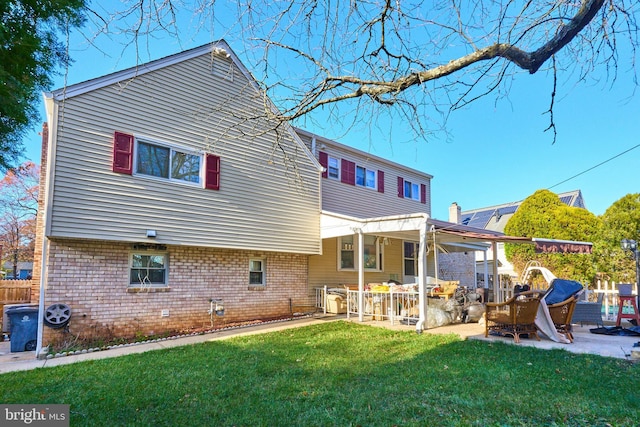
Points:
(166, 188)
(160, 196)
(24, 270)
(495, 218)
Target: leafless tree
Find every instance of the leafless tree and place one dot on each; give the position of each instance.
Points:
(419, 59)
(18, 209)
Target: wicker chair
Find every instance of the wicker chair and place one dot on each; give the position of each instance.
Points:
(561, 314)
(514, 317)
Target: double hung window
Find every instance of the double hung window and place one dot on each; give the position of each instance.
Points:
(410, 257)
(333, 166)
(411, 191)
(365, 177)
(348, 253)
(148, 270)
(257, 272)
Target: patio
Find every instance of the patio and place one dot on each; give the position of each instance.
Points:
(621, 347)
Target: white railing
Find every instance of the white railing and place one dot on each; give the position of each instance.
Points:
(393, 306)
(321, 298)
(404, 306)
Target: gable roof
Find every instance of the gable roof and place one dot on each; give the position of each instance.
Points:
(216, 48)
(496, 217)
(219, 47)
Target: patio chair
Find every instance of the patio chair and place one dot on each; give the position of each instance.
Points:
(515, 316)
(560, 299)
(561, 314)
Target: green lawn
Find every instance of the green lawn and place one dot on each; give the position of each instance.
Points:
(339, 374)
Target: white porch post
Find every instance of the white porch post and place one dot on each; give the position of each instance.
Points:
(486, 277)
(497, 295)
(360, 275)
(422, 278)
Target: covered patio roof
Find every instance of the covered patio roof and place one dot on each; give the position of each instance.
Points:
(428, 232)
(456, 237)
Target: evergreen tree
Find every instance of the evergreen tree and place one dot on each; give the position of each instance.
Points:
(543, 215)
(30, 51)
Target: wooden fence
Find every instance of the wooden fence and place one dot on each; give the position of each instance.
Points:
(14, 292)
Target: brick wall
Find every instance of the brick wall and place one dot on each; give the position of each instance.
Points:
(92, 278)
(37, 252)
(458, 266)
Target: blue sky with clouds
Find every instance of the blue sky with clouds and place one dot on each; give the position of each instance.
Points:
(493, 152)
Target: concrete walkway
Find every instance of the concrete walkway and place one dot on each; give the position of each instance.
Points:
(621, 347)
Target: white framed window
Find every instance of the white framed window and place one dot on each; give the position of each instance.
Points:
(163, 161)
(365, 177)
(148, 269)
(411, 191)
(410, 258)
(348, 253)
(333, 167)
(257, 272)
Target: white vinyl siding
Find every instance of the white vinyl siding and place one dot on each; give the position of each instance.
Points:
(361, 202)
(267, 200)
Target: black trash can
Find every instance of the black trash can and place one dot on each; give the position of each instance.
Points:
(24, 328)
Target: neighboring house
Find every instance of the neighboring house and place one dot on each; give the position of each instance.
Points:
(24, 270)
(495, 218)
(163, 188)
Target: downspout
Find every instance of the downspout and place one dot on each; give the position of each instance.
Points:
(422, 276)
(360, 274)
(43, 272)
(313, 145)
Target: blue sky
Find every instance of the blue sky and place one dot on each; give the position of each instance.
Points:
(494, 152)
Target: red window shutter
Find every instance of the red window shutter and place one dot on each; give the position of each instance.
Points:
(323, 158)
(423, 193)
(380, 181)
(212, 172)
(348, 172)
(400, 187)
(122, 153)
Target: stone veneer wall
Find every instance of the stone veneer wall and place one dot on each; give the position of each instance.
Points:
(92, 278)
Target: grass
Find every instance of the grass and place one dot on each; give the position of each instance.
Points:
(339, 374)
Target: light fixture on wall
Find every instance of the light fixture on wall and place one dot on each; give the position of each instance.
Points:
(151, 234)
